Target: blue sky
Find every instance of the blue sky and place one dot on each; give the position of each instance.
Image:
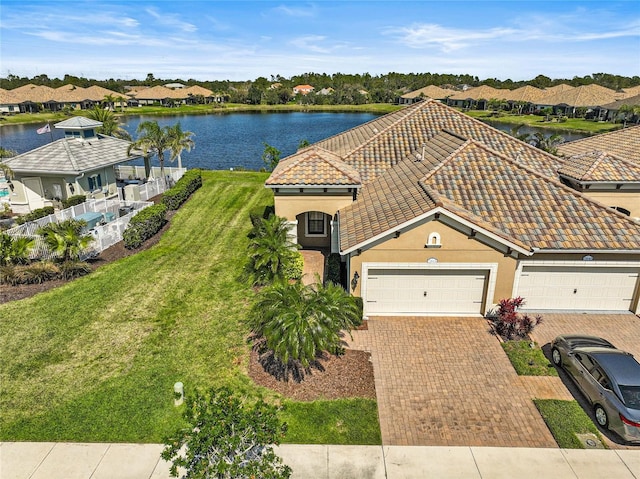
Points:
(241, 40)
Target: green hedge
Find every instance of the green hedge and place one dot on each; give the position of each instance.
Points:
(183, 189)
(144, 225)
(73, 201)
(35, 214)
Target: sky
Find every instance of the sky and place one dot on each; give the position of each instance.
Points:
(242, 40)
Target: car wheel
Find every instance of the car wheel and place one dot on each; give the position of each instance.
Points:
(601, 416)
(556, 357)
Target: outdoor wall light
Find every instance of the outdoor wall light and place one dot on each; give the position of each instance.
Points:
(354, 281)
(72, 188)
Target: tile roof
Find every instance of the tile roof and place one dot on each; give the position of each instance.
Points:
(526, 93)
(483, 92)
(77, 122)
(582, 96)
(598, 166)
(376, 146)
(490, 190)
(624, 143)
(430, 91)
(632, 100)
(70, 156)
(313, 166)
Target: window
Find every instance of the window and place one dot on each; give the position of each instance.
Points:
(315, 223)
(95, 182)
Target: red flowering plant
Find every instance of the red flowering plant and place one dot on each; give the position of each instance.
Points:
(510, 324)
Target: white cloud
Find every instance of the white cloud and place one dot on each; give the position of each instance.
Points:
(310, 43)
(171, 20)
(299, 11)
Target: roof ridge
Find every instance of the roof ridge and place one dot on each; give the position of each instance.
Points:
(410, 110)
(449, 158)
(72, 158)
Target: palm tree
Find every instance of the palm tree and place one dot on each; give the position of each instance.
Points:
(110, 123)
(297, 322)
(515, 131)
(180, 140)
(66, 238)
(549, 143)
(152, 140)
(15, 250)
(270, 250)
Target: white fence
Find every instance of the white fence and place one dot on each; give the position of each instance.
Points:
(125, 172)
(104, 235)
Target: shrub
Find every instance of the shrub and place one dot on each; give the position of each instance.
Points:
(74, 269)
(271, 250)
(73, 201)
(15, 250)
(183, 189)
(35, 214)
(8, 274)
(260, 213)
(293, 265)
(511, 325)
(37, 273)
(144, 225)
(333, 268)
(227, 438)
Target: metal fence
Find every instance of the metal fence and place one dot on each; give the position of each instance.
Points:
(104, 235)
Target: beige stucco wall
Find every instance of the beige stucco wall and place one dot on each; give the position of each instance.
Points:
(291, 206)
(627, 200)
(456, 248)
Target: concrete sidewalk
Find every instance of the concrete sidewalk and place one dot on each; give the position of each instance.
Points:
(142, 461)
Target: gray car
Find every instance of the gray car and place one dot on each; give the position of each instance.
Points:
(608, 377)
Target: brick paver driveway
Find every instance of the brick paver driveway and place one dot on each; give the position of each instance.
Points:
(623, 330)
(446, 382)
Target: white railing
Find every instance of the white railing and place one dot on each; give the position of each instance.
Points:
(126, 172)
(104, 236)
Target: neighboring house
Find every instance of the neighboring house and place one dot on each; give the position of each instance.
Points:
(433, 212)
(81, 163)
(302, 89)
(476, 98)
(430, 91)
(606, 167)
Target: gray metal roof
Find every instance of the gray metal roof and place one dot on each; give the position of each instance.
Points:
(77, 123)
(72, 156)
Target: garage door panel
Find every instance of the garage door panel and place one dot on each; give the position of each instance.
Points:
(423, 291)
(578, 288)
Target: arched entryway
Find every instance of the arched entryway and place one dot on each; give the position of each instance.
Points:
(314, 229)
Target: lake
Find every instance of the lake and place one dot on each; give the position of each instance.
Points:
(234, 140)
(222, 141)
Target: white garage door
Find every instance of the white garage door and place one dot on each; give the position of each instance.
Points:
(422, 291)
(578, 288)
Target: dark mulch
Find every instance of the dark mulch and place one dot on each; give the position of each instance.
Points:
(346, 376)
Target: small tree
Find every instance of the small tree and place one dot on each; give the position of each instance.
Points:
(270, 250)
(270, 156)
(66, 238)
(227, 439)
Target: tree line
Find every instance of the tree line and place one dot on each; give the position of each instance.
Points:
(339, 88)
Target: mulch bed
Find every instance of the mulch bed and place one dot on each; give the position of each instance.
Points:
(346, 376)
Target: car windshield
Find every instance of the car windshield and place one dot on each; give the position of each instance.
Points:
(631, 396)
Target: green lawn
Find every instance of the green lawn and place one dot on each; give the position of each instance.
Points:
(565, 419)
(96, 360)
(572, 124)
(528, 361)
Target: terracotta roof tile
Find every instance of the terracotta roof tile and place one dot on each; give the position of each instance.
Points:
(600, 166)
(623, 143)
(314, 166)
